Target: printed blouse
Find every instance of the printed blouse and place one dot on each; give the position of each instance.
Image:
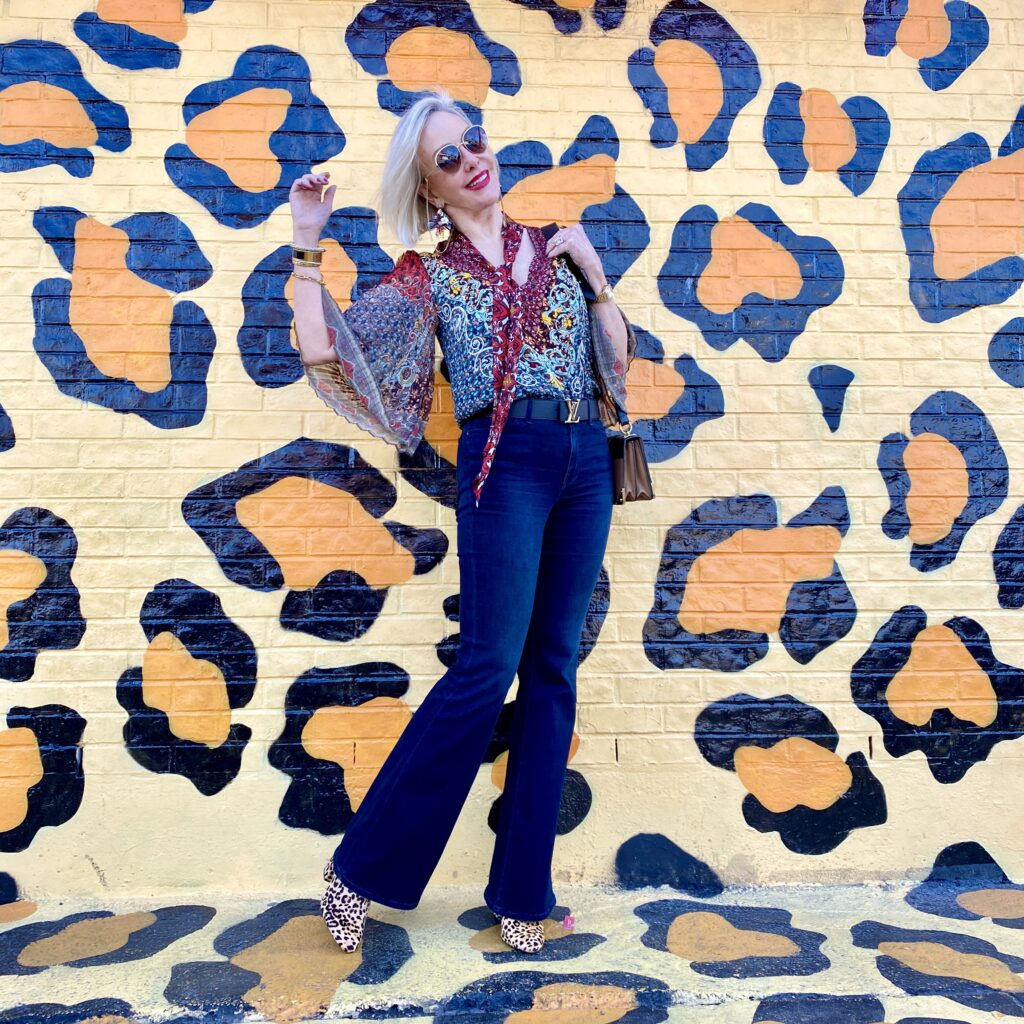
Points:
(555, 360)
(501, 341)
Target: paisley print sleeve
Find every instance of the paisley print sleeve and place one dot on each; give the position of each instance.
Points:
(611, 371)
(383, 380)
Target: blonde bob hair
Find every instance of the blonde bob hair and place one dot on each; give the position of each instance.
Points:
(401, 206)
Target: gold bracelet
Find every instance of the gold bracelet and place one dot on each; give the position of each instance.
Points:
(301, 253)
(604, 295)
(308, 277)
(305, 263)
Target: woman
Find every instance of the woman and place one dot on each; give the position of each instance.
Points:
(532, 374)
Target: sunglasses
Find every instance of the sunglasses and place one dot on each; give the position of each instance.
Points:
(449, 158)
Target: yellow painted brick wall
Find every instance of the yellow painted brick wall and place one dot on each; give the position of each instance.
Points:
(829, 347)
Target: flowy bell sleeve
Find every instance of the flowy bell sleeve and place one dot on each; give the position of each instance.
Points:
(383, 381)
(611, 371)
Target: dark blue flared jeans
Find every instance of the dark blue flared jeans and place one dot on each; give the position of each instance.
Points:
(529, 558)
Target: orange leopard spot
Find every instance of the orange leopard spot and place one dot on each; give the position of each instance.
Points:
(791, 773)
(940, 673)
(745, 260)
(499, 770)
(189, 690)
(299, 968)
(943, 962)
(693, 83)
(652, 389)
(123, 321)
(939, 486)
(359, 739)
(709, 938)
(443, 431)
(572, 1003)
(998, 904)
(164, 19)
(744, 582)
(36, 110)
(428, 58)
(20, 575)
(980, 220)
(21, 768)
(83, 939)
(235, 136)
(312, 529)
(829, 139)
(17, 911)
(925, 30)
(562, 193)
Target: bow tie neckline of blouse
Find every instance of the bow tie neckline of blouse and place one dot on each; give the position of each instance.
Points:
(463, 252)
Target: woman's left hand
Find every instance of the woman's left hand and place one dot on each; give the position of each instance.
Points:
(574, 242)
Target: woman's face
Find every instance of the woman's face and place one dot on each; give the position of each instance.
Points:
(473, 185)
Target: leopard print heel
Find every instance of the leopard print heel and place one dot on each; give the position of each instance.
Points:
(343, 911)
(526, 936)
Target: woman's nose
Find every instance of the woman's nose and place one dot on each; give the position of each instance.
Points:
(470, 161)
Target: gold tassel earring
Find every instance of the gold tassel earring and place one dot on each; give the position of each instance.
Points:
(438, 222)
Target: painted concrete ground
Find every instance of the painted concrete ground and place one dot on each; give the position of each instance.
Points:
(911, 954)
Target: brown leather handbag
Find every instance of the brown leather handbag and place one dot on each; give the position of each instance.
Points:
(631, 476)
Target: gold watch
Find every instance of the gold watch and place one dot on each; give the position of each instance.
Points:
(605, 294)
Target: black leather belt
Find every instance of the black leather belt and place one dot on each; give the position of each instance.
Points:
(561, 410)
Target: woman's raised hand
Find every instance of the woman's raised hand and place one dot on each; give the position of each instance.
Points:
(310, 200)
(574, 242)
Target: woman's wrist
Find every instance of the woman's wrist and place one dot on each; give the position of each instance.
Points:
(305, 239)
(595, 277)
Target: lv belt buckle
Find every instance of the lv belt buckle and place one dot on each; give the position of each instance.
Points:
(573, 406)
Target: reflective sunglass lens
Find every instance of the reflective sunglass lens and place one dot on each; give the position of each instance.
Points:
(448, 158)
(475, 139)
